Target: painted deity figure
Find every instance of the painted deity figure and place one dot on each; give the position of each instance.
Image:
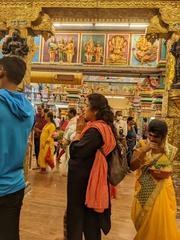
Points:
(69, 50)
(98, 52)
(61, 49)
(52, 49)
(145, 52)
(89, 50)
(15, 45)
(117, 46)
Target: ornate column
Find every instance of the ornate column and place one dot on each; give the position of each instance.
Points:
(167, 25)
(173, 120)
(172, 112)
(26, 21)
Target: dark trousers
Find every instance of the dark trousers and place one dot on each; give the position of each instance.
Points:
(88, 224)
(80, 220)
(10, 207)
(131, 145)
(37, 148)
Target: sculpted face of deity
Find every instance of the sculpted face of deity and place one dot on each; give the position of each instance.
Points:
(61, 40)
(16, 35)
(71, 40)
(53, 40)
(142, 43)
(119, 41)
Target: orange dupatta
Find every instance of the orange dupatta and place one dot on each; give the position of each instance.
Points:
(97, 194)
(48, 158)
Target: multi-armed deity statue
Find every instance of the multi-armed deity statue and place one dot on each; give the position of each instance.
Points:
(15, 45)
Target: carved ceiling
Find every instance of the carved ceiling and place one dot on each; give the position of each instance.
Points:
(38, 15)
(103, 15)
(88, 10)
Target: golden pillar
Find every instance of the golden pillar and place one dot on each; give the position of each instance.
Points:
(167, 25)
(30, 21)
(173, 120)
(172, 113)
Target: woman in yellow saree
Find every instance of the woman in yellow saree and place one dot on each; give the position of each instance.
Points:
(46, 154)
(154, 205)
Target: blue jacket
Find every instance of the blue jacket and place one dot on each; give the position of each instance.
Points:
(16, 122)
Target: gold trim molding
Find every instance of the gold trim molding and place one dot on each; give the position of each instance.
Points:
(93, 3)
(136, 4)
(19, 13)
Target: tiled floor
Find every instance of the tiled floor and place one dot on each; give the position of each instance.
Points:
(44, 206)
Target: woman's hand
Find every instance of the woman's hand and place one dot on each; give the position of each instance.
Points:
(81, 123)
(138, 158)
(157, 147)
(77, 137)
(65, 142)
(146, 148)
(37, 130)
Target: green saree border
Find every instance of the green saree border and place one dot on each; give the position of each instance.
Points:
(148, 205)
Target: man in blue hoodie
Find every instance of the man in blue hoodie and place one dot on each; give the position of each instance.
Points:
(16, 122)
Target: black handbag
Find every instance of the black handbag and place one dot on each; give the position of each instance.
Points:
(118, 165)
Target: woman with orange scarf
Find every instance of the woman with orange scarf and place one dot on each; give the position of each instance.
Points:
(88, 200)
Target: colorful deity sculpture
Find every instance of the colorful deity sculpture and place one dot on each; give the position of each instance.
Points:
(89, 50)
(52, 49)
(117, 47)
(145, 52)
(69, 50)
(98, 52)
(61, 50)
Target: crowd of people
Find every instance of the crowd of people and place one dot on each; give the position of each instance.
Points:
(52, 137)
(87, 143)
(54, 134)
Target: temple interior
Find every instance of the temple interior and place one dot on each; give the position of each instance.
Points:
(120, 49)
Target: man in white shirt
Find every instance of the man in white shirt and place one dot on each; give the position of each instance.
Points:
(71, 127)
(69, 133)
(120, 125)
(57, 121)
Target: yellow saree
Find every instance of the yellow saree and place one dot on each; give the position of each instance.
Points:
(46, 143)
(154, 204)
